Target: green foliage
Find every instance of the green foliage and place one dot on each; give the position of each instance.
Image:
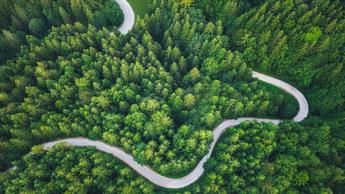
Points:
(36, 26)
(158, 92)
(265, 159)
(187, 3)
(66, 170)
(123, 98)
(36, 17)
(314, 35)
(299, 41)
(302, 43)
(140, 7)
(84, 81)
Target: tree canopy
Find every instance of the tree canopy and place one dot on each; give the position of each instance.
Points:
(158, 92)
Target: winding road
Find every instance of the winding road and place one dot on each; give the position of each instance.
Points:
(129, 16)
(193, 176)
(175, 183)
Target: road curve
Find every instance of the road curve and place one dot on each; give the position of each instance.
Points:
(193, 176)
(302, 101)
(129, 16)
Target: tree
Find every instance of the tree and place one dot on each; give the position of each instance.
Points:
(314, 34)
(187, 3)
(194, 75)
(160, 122)
(37, 26)
(99, 19)
(64, 15)
(189, 100)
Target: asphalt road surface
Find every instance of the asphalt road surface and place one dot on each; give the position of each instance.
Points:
(147, 172)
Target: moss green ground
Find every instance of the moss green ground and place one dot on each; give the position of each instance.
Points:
(140, 6)
(289, 107)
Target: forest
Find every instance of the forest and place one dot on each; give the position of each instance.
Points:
(19, 18)
(158, 92)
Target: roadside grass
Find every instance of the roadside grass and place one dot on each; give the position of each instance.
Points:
(140, 6)
(289, 105)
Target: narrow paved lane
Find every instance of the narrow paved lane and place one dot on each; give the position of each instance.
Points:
(129, 16)
(193, 176)
(302, 101)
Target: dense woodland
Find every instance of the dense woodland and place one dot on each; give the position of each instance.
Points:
(19, 18)
(158, 102)
(301, 41)
(251, 158)
(158, 91)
